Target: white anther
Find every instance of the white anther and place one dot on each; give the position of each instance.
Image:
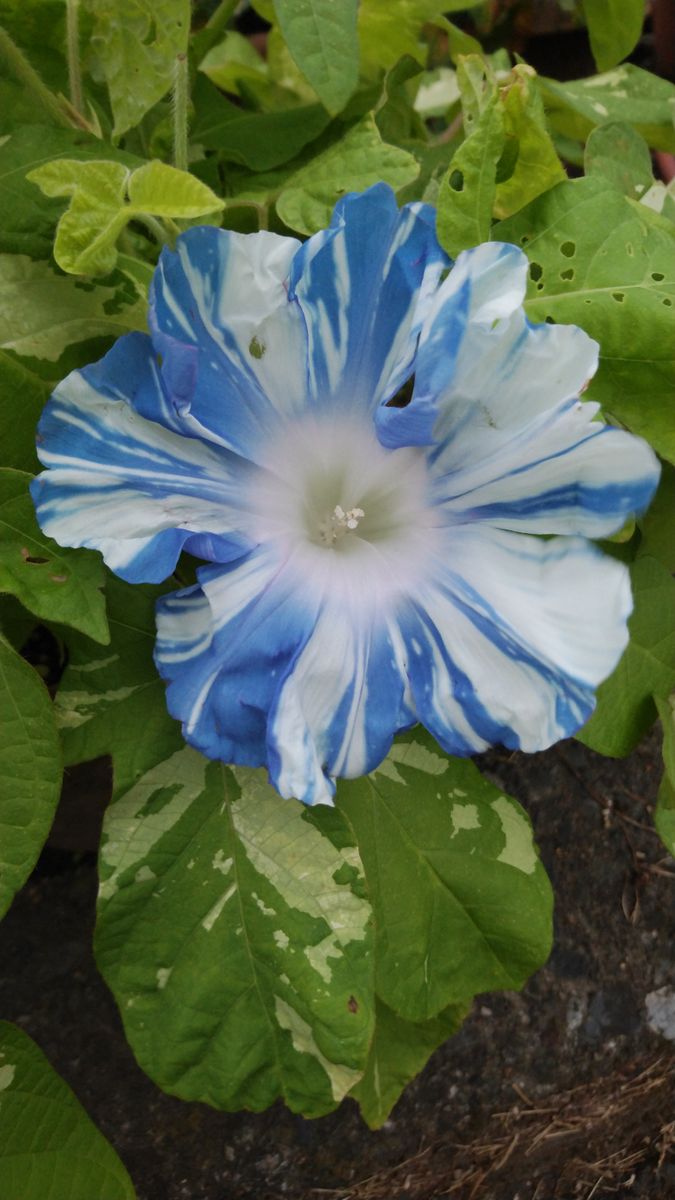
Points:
(338, 523)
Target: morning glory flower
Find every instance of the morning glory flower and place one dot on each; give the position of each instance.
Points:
(366, 449)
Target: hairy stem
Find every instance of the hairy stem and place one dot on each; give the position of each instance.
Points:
(73, 48)
(22, 70)
(181, 84)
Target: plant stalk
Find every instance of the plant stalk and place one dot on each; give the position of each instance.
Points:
(219, 20)
(181, 84)
(22, 70)
(73, 48)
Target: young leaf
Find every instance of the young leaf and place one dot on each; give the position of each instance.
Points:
(137, 42)
(232, 60)
(625, 94)
(42, 313)
(99, 209)
(625, 709)
(614, 28)
(352, 164)
(30, 772)
(398, 1052)
(598, 262)
(28, 217)
(321, 37)
(54, 584)
(235, 939)
(48, 1145)
(461, 901)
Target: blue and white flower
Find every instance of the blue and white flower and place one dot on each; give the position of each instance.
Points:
(372, 563)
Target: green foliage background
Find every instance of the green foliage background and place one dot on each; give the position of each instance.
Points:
(257, 949)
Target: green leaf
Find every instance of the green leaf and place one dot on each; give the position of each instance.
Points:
(352, 164)
(389, 31)
(137, 42)
(657, 527)
(461, 901)
(322, 39)
(395, 116)
(29, 218)
(664, 816)
(625, 709)
(398, 1052)
(22, 397)
(467, 193)
(614, 28)
(30, 774)
(618, 154)
(48, 1145)
(537, 166)
(234, 936)
(42, 313)
(257, 140)
(625, 94)
(113, 703)
(601, 264)
(105, 196)
(232, 60)
(54, 584)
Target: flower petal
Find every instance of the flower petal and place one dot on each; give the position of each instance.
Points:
(126, 485)
(364, 286)
(234, 348)
(262, 671)
(562, 473)
(482, 371)
(510, 642)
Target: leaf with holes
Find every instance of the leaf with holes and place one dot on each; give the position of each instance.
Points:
(467, 193)
(398, 1052)
(233, 932)
(625, 94)
(597, 262)
(321, 37)
(30, 772)
(54, 584)
(48, 1145)
(113, 702)
(625, 709)
(461, 902)
(537, 166)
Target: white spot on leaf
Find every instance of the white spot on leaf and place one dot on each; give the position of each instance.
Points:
(341, 1077)
(519, 851)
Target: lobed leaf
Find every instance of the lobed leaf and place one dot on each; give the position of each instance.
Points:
(30, 776)
(601, 262)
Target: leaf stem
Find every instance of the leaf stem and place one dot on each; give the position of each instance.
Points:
(22, 70)
(181, 85)
(219, 19)
(73, 48)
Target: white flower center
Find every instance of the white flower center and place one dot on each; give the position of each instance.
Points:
(329, 485)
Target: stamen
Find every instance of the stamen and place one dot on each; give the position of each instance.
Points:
(334, 527)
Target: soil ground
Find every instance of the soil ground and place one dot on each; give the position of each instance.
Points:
(563, 1092)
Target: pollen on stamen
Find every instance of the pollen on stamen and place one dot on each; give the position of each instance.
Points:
(340, 522)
